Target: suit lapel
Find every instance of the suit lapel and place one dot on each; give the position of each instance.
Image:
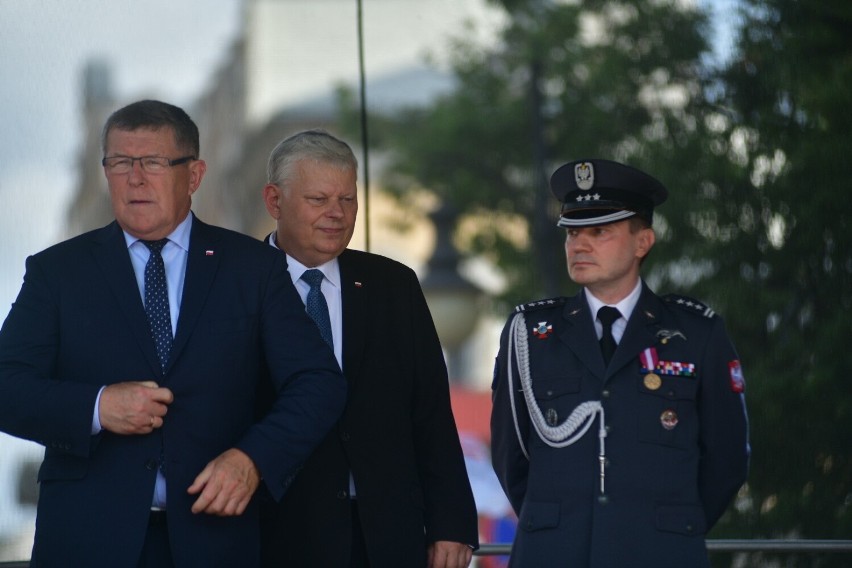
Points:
(579, 335)
(112, 257)
(201, 267)
(354, 291)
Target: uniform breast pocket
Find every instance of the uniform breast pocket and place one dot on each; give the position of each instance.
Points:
(667, 411)
(557, 397)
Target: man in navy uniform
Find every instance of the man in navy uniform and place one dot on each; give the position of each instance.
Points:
(619, 429)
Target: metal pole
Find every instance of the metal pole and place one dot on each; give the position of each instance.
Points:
(364, 137)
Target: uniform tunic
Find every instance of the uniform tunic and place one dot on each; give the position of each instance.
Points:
(676, 445)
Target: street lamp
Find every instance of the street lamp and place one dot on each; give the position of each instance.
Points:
(453, 300)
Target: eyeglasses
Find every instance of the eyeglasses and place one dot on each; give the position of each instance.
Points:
(150, 164)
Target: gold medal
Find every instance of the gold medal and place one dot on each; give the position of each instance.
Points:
(652, 381)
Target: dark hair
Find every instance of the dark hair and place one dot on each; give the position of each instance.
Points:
(155, 115)
(638, 222)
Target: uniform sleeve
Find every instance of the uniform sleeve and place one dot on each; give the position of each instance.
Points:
(510, 463)
(724, 440)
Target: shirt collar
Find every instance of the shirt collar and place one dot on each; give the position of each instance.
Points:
(329, 269)
(625, 306)
(180, 236)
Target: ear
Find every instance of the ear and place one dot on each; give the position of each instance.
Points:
(644, 242)
(272, 200)
(197, 169)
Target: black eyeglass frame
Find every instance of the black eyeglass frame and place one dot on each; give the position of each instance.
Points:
(170, 163)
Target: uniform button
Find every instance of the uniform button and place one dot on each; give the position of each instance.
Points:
(603, 499)
(671, 394)
(605, 393)
(151, 464)
(345, 436)
(342, 494)
(607, 428)
(689, 528)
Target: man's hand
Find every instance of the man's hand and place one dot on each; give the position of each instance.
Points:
(446, 554)
(225, 485)
(136, 407)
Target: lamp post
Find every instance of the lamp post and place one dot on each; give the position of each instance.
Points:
(453, 300)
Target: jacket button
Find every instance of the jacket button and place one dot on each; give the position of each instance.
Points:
(342, 494)
(605, 393)
(345, 436)
(151, 464)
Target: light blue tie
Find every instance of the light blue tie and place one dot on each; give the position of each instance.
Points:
(316, 305)
(157, 301)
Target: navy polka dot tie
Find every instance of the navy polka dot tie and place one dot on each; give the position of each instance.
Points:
(157, 301)
(315, 304)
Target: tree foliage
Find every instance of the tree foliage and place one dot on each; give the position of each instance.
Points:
(790, 266)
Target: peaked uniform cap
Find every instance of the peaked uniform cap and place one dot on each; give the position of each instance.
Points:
(597, 192)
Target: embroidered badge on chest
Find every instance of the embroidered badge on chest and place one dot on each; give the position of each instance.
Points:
(542, 330)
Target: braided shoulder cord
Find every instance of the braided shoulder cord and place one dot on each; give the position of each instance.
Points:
(574, 427)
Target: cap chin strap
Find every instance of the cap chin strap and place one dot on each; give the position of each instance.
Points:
(572, 428)
(592, 221)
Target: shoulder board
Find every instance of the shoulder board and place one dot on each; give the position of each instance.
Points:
(689, 304)
(540, 304)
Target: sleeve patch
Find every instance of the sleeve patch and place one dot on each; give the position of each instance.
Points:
(737, 378)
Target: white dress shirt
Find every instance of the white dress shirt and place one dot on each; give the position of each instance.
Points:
(625, 307)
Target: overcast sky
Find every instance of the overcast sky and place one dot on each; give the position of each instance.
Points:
(160, 48)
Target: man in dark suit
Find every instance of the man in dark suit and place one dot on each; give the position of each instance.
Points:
(388, 485)
(152, 453)
(619, 430)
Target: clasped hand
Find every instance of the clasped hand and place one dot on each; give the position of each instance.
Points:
(224, 487)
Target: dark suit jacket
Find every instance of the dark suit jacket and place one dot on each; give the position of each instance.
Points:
(397, 435)
(78, 323)
(676, 450)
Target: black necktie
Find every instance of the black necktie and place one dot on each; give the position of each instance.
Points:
(157, 301)
(315, 304)
(607, 315)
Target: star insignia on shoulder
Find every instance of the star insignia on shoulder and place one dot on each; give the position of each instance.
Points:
(539, 304)
(690, 304)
